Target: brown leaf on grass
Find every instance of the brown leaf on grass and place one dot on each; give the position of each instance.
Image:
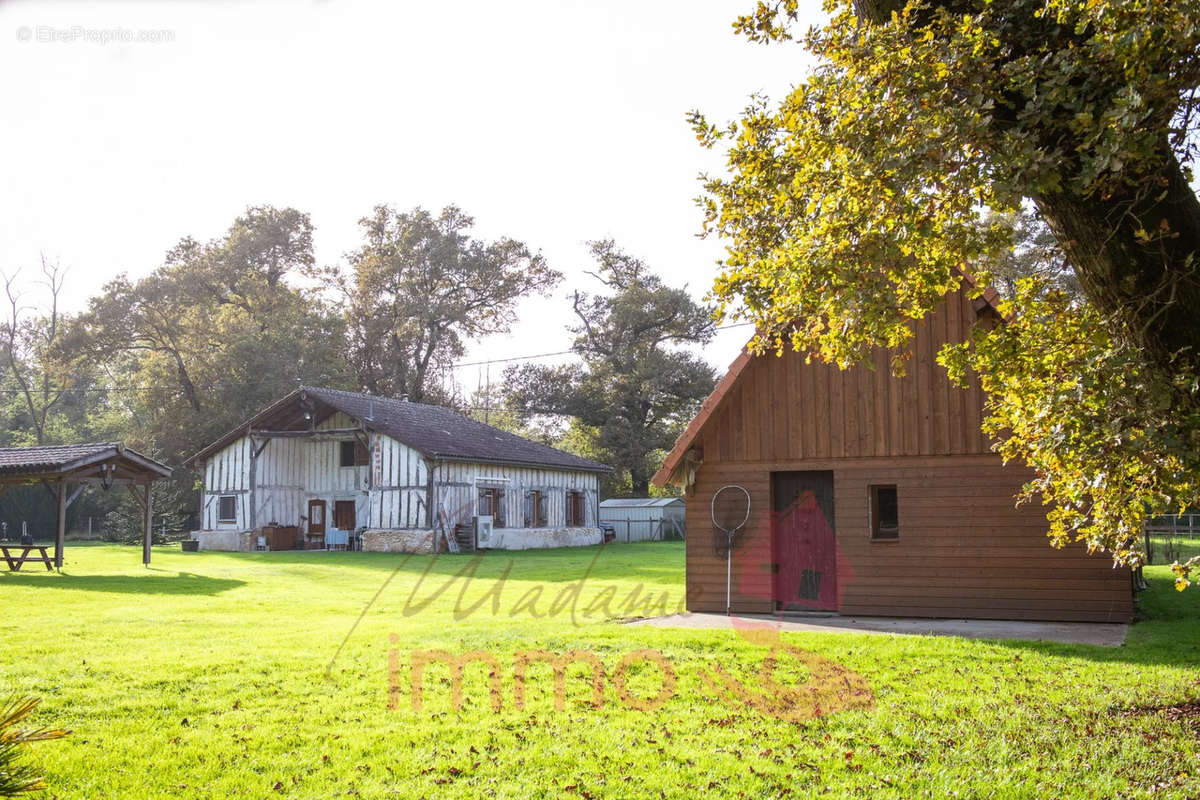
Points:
(1186, 712)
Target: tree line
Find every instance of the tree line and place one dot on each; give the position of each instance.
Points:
(220, 329)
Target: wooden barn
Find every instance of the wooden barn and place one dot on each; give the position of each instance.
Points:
(874, 495)
(323, 468)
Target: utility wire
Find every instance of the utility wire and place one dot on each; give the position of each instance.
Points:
(233, 384)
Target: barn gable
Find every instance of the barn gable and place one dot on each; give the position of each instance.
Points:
(862, 412)
(874, 494)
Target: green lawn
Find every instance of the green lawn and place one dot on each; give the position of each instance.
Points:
(209, 675)
(1166, 549)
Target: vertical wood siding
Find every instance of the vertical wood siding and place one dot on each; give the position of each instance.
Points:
(783, 408)
(290, 472)
(965, 549)
(456, 482)
(400, 498)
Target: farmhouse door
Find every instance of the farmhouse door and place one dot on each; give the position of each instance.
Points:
(316, 516)
(803, 542)
(343, 515)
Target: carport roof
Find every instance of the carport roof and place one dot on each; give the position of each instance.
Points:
(56, 459)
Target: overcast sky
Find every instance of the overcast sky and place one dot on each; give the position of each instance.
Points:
(551, 121)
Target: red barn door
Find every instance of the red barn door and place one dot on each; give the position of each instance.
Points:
(804, 546)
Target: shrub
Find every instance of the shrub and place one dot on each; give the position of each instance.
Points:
(16, 775)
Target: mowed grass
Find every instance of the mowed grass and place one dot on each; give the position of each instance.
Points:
(1167, 549)
(266, 675)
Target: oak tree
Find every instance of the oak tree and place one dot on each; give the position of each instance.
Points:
(853, 206)
(420, 287)
(635, 388)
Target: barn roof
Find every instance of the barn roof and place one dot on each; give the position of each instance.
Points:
(59, 458)
(988, 298)
(435, 431)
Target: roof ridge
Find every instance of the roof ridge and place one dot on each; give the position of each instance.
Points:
(453, 417)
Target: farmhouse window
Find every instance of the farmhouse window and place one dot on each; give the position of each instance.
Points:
(353, 454)
(227, 508)
(885, 513)
(575, 509)
(535, 510)
(491, 503)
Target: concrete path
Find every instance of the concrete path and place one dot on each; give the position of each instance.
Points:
(1104, 634)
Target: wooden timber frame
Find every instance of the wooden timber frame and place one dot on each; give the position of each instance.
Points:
(66, 470)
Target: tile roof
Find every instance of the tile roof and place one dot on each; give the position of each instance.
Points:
(435, 431)
(441, 433)
(55, 457)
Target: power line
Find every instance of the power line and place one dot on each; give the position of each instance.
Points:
(561, 352)
(78, 391)
(507, 360)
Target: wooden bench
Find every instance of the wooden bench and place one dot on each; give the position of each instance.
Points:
(15, 561)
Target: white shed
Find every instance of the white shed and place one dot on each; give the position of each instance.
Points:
(644, 519)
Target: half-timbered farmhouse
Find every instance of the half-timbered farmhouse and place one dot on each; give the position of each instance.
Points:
(874, 494)
(327, 468)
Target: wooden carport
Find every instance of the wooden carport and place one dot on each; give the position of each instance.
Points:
(59, 467)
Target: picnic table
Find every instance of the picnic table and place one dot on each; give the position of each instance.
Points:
(24, 550)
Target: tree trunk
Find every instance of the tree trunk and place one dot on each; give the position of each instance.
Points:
(641, 482)
(1133, 250)
(185, 380)
(1149, 285)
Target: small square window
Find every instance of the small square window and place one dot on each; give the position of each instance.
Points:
(885, 513)
(227, 508)
(353, 454)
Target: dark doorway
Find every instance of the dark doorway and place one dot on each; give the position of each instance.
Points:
(804, 545)
(343, 515)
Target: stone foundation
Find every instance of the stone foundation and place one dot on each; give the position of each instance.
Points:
(234, 541)
(382, 540)
(536, 538)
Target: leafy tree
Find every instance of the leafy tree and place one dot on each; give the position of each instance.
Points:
(489, 406)
(633, 390)
(1034, 254)
(172, 505)
(43, 401)
(421, 287)
(185, 312)
(27, 341)
(853, 205)
(208, 338)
